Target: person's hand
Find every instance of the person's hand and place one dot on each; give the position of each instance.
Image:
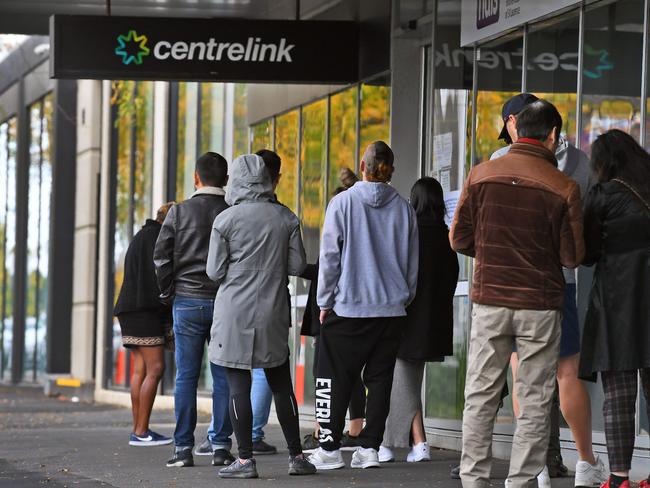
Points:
(323, 315)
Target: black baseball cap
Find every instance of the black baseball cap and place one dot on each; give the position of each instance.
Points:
(512, 107)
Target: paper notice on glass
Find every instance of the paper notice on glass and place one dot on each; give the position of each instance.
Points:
(451, 201)
(443, 149)
(445, 179)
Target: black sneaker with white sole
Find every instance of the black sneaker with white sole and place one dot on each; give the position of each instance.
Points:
(238, 469)
(181, 459)
(310, 443)
(299, 466)
(222, 457)
(261, 448)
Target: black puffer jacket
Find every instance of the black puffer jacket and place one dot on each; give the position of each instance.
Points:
(616, 334)
(182, 247)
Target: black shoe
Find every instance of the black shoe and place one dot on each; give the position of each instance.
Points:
(260, 448)
(310, 443)
(298, 466)
(349, 442)
(238, 470)
(455, 473)
(222, 457)
(556, 468)
(181, 459)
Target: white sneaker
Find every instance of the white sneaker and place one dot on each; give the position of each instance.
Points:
(324, 460)
(591, 475)
(544, 479)
(385, 455)
(419, 452)
(365, 458)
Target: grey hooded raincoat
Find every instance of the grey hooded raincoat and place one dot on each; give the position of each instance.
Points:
(254, 245)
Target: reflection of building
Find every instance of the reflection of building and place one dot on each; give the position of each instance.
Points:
(134, 145)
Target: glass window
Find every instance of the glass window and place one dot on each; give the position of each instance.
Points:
(133, 196)
(7, 241)
(212, 117)
(286, 145)
(313, 168)
(262, 135)
(343, 136)
(613, 44)
(38, 220)
(552, 71)
(374, 113)
(188, 98)
(240, 127)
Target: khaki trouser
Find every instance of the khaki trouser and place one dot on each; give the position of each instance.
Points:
(537, 336)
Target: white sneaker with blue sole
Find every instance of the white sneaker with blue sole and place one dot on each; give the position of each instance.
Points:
(151, 438)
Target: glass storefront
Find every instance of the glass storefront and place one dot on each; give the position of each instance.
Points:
(8, 136)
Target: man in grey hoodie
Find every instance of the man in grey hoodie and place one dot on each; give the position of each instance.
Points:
(368, 275)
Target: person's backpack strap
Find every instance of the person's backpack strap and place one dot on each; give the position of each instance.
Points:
(636, 193)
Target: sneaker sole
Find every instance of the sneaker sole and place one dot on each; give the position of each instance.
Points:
(328, 467)
(423, 460)
(265, 453)
(297, 473)
(387, 460)
(310, 451)
(366, 465)
(350, 448)
(239, 476)
(198, 453)
(180, 464)
(150, 443)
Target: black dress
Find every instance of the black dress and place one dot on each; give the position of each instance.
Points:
(430, 325)
(144, 320)
(616, 334)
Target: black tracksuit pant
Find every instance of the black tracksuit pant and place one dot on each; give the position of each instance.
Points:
(348, 346)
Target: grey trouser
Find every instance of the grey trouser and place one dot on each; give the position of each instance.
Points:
(537, 336)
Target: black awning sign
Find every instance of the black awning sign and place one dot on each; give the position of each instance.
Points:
(203, 49)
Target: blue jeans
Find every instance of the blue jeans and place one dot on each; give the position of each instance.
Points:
(192, 323)
(261, 398)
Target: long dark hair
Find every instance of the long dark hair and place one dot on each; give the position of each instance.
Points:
(615, 154)
(427, 199)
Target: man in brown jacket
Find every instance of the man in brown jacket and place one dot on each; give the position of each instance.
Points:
(521, 218)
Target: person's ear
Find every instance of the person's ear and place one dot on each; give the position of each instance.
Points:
(553, 136)
(225, 181)
(363, 166)
(197, 180)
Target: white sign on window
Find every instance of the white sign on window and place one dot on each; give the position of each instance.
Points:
(481, 19)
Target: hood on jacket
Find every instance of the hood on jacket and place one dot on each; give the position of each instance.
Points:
(249, 181)
(562, 153)
(374, 194)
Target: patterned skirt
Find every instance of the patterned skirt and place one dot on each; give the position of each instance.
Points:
(144, 328)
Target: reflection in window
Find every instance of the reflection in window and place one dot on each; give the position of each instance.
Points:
(262, 135)
(374, 114)
(613, 45)
(343, 136)
(7, 241)
(286, 145)
(38, 226)
(186, 151)
(212, 117)
(240, 128)
(133, 196)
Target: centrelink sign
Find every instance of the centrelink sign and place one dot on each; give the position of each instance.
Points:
(138, 48)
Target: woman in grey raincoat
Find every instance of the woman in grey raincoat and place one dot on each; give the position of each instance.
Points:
(254, 245)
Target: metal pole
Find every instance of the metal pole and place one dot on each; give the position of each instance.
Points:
(108, 7)
(297, 9)
(644, 73)
(524, 61)
(474, 101)
(581, 45)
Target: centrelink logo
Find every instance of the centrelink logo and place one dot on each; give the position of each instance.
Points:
(133, 48)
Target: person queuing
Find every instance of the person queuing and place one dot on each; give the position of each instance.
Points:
(617, 325)
(573, 396)
(521, 220)
(367, 277)
(180, 257)
(254, 245)
(430, 325)
(146, 328)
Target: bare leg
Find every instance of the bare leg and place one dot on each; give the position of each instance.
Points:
(417, 428)
(356, 426)
(136, 383)
(575, 406)
(514, 364)
(154, 367)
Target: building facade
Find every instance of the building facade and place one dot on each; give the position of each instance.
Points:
(83, 164)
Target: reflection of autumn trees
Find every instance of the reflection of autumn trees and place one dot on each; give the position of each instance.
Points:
(313, 163)
(374, 116)
(240, 130)
(261, 137)
(286, 145)
(343, 136)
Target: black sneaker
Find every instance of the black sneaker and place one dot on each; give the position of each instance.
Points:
(455, 473)
(260, 448)
(310, 443)
(298, 466)
(181, 459)
(222, 457)
(238, 470)
(556, 468)
(349, 442)
(204, 449)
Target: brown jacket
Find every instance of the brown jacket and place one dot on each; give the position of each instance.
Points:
(521, 218)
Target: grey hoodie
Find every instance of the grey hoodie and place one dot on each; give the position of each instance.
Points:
(254, 245)
(369, 253)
